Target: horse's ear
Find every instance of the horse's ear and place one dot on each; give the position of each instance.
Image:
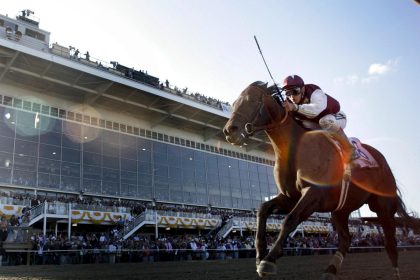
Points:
(272, 89)
(259, 84)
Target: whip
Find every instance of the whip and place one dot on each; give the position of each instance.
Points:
(278, 93)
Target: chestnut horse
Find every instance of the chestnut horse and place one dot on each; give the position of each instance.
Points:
(308, 172)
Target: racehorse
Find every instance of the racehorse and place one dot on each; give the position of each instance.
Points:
(309, 172)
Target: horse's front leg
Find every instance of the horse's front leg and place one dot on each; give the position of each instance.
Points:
(281, 202)
(308, 204)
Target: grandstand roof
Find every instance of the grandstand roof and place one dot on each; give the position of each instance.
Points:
(81, 81)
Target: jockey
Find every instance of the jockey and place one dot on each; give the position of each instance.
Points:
(316, 110)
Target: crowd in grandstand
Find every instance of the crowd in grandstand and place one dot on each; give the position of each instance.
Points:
(224, 106)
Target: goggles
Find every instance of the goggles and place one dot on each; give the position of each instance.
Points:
(294, 91)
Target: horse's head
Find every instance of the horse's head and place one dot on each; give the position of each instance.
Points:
(255, 109)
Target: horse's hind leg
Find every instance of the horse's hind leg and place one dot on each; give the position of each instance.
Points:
(280, 202)
(340, 220)
(385, 214)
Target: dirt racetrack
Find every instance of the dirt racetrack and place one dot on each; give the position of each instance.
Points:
(356, 266)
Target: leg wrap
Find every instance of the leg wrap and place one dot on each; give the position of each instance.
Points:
(396, 273)
(337, 260)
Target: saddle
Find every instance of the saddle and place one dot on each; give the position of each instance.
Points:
(363, 158)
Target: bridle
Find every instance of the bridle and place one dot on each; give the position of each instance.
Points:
(250, 127)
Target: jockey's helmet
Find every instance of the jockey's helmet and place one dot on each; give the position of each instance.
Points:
(293, 81)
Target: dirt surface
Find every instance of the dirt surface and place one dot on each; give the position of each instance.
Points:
(356, 266)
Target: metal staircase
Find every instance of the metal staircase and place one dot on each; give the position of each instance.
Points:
(147, 217)
(36, 213)
(228, 227)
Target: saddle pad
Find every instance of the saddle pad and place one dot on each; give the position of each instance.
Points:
(364, 159)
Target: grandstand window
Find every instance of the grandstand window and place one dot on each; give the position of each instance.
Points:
(226, 201)
(128, 141)
(142, 132)
(160, 136)
(162, 194)
(128, 177)
(36, 107)
(6, 160)
(34, 34)
(48, 181)
(148, 134)
(123, 128)
(175, 176)
(70, 169)
(70, 115)
(176, 196)
(136, 131)
(91, 172)
(145, 192)
(202, 198)
(17, 103)
(115, 126)
(110, 175)
(94, 121)
(24, 178)
(171, 139)
(94, 146)
(1, 99)
(154, 135)
(6, 144)
(132, 190)
(110, 162)
(92, 186)
(108, 124)
(129, 129)
(54, 112)
(101, 122)
(52, 138)
(71, 155)
(215, 200)
(62, 113)
(145, 180)
(71, 141)
(110, 137)
(45, 109)
(79, 117)
(70, 183)
(50, 151)
(7, 100)
(202, 147)
(7, 130)
(182, 141)
(129, 165)
(27, 105)
(177, 141)
(91, 158)
(189, 197)
(86, 119)
(26, 148)
(5, 175)
(246, 203)
(165, 138)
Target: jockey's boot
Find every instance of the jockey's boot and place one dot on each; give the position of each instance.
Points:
(349, 151)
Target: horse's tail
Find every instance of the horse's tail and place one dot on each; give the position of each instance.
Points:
(409, 220)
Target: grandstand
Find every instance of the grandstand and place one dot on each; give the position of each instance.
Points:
(80, 129)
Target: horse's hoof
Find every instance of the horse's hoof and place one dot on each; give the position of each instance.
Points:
(328, 276)
(266, 268)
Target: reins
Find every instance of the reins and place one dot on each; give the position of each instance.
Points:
(250, 127)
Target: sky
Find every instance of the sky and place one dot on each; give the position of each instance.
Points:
(363, 53)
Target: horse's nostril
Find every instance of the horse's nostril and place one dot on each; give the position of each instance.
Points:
(229, 129)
